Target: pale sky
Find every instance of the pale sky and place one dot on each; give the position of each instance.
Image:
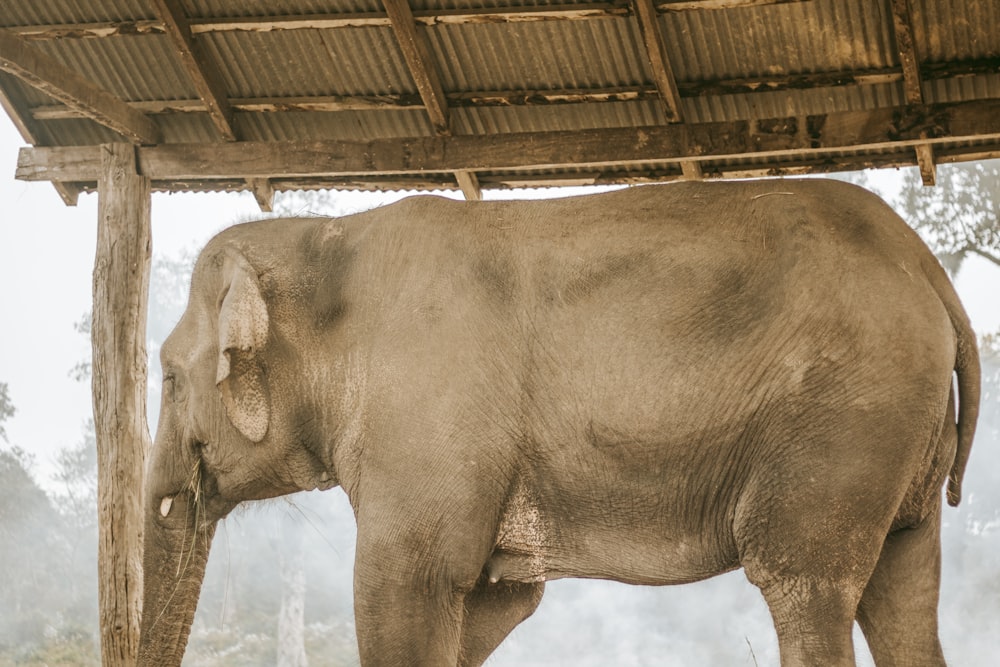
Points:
(46, 259)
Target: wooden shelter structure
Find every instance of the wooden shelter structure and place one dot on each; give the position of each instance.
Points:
(130, 96)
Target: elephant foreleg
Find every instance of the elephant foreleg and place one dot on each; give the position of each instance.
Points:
(898, 610)
(491, 612)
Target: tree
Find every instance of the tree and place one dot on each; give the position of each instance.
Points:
(958, 217)
(6, 409)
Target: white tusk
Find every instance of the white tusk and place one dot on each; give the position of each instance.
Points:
(165, 505)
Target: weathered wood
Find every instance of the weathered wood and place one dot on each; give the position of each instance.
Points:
(16, 107)
(62, 83)
(803, 81)
(206, 78)
(90, 30)
(699, 5)
(925, 161)
(659, 61)
(902, 25)
(887, 128)
(263, 192)
(468, 183)
(331, 21)
(118, 335)
(420, 63)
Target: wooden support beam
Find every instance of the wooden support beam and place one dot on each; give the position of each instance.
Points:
(62, 83)
(701, 5)
(902, 24)
(588, 10)
(208, 82)
(418, 59)
(880, 129)
(506, 98)
(417, 54)
(206, 79)
(12, 102)
(263, 193)
(659, 61)
(96, 29)
(118, 335)
(468, 183)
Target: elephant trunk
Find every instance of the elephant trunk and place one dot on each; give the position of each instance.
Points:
(176, 545)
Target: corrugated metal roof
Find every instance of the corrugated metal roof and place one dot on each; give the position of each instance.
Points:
(743, 63)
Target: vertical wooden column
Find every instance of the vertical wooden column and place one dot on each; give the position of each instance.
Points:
(118, 336)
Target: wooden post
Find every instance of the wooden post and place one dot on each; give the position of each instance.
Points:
(118, 336)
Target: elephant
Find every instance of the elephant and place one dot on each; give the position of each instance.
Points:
(654, 385)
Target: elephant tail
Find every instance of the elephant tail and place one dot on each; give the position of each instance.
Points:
(968, 373)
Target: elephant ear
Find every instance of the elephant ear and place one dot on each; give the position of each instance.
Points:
(243, 330)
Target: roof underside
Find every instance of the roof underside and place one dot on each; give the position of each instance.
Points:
(498, 93)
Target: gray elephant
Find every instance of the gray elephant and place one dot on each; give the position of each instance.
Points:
(655, 386)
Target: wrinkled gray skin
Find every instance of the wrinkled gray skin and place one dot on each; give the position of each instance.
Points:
(654, 386)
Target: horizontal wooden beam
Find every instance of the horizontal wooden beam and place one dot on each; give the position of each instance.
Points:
(506, 98)
(58, 81)
(331, 21)
(887, 128)
(90, 30)
(825, 163)
(13, 102)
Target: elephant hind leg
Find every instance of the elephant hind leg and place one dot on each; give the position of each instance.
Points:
(491, 612)
(898, 610)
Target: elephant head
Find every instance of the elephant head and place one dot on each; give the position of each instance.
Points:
(227, 432)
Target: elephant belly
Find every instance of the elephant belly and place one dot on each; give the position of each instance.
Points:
(537, 542)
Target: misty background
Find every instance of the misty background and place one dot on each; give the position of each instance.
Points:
(278, 586)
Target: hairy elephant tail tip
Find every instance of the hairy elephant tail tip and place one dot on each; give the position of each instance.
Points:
(954, 492)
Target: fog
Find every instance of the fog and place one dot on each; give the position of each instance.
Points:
(264, 551)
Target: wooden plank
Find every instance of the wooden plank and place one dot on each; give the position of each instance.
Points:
(118, 335)
(925, 161)
(659, 61)
(701, 5)
(818, 163)
(332, 21)
(206, 78)
(468, 183)
(263, 192)
(491, 98)
(62, 83)
(888, 128)
(418, 60)
(90, 30)
(902, 25)
(16, 107)
(564, 12)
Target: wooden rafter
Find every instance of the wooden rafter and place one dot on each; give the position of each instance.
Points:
(565, 12)
(890, 128)
(659, 61)
(418, 60)
(32, 132)
(205, 78)
(424, 72)
(663, 72)
(509, 98)
(58, 81)
(207, 82)
(902, 24)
